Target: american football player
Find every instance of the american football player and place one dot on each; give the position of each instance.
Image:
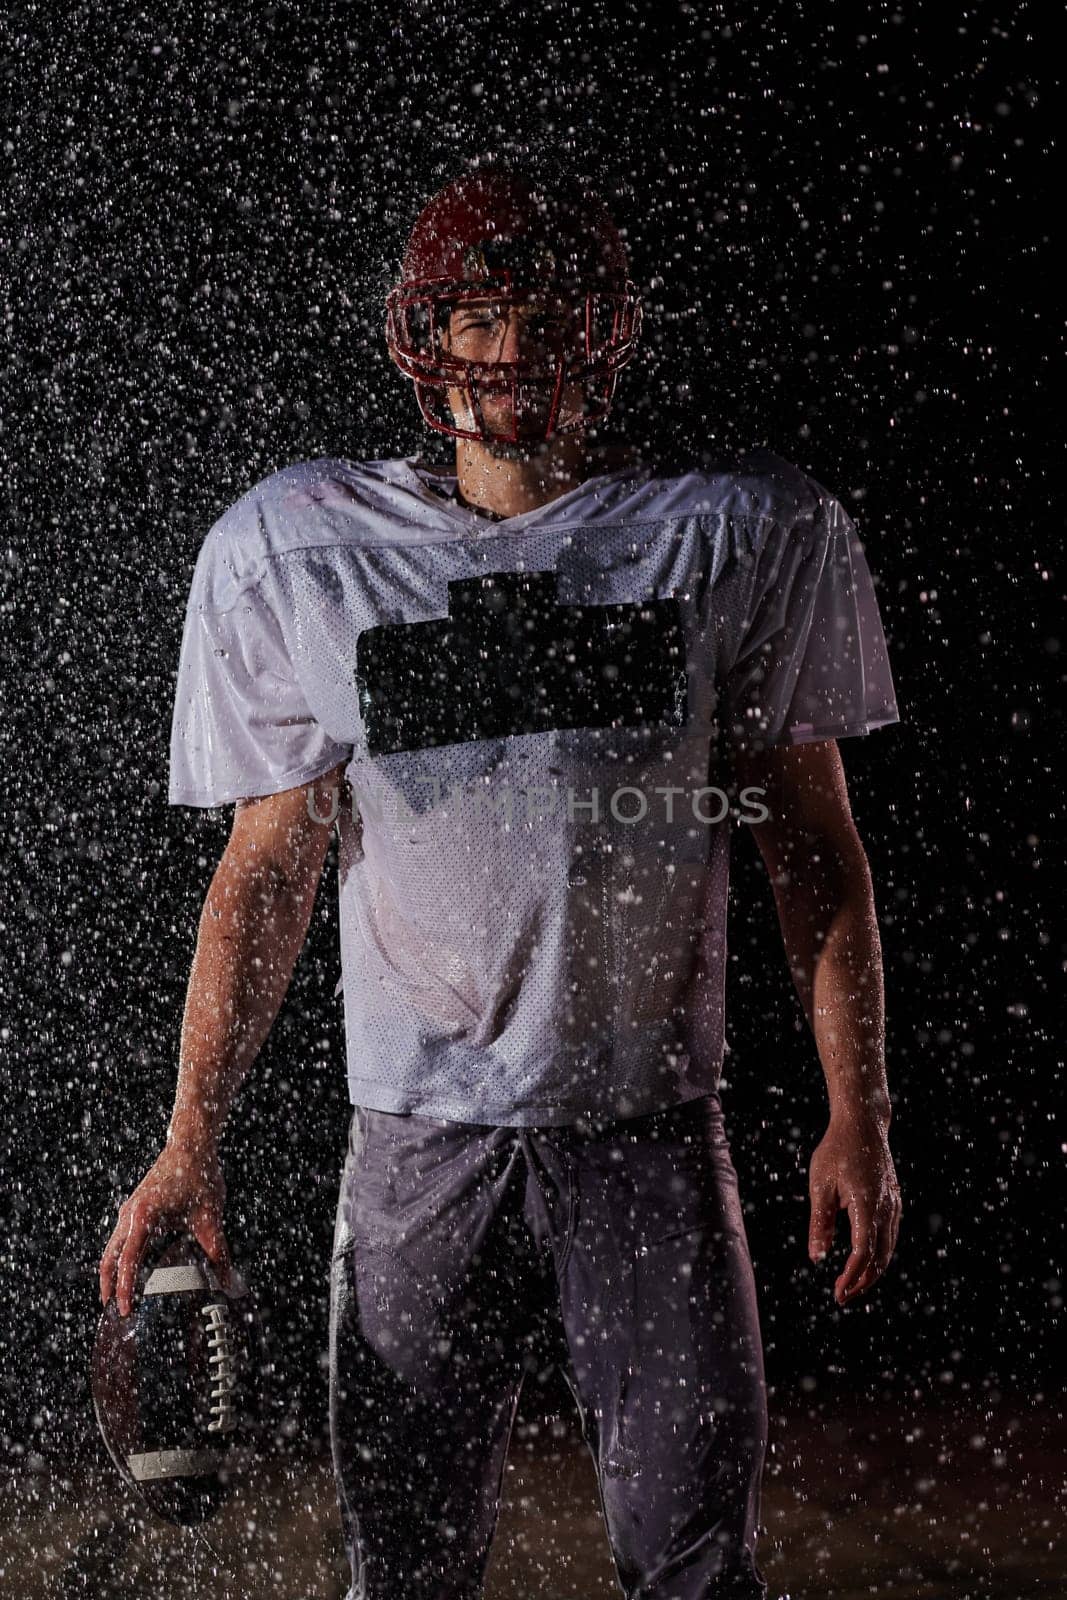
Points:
(536, 690)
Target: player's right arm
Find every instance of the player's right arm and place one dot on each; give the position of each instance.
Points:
(253, 924)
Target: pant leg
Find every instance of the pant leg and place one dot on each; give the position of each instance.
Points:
(429, 1340)
(659, 1305)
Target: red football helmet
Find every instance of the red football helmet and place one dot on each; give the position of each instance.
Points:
(486, 242)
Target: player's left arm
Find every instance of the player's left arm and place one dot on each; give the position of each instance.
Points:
(822, 888)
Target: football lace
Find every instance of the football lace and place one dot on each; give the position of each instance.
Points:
(222, 1361)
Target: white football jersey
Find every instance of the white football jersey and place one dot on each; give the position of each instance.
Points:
(533, 712)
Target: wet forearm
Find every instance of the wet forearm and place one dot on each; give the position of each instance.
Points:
(830, 929)
(251, 931)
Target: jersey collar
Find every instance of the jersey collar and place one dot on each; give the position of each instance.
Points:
(438, 486)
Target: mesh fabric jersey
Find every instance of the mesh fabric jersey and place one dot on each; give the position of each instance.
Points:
(533, 713)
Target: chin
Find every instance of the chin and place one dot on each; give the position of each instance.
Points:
(521, 449)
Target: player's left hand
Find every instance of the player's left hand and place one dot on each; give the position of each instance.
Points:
(852, 1170)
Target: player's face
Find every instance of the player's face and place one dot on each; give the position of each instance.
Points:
(537, 331)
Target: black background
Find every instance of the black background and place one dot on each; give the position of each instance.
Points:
(839, 221)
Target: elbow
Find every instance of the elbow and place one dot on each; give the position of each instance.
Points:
(834, 864)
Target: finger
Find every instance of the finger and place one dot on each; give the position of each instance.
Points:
(212, 1240)
(113, 1251)
(824, 1209)
(855, 1269)
(108, 1263)
(883, 1252)
(129, 1263)
(864, 1235)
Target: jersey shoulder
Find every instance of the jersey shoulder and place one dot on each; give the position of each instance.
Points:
(756, 486)
(327, 500)
(292, 500)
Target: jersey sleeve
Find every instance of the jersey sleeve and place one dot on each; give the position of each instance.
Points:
(241, 725)
(812, 662)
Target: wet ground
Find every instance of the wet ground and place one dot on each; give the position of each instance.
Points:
(953, 1501)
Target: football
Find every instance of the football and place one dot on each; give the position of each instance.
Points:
(179, 1386)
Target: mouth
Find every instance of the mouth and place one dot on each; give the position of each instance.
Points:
(524, 415)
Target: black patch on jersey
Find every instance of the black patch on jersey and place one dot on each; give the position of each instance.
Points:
(509, 659)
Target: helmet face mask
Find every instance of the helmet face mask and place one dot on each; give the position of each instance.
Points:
(567, 379)
(482, 250)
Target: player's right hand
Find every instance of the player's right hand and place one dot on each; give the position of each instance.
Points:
(184, 1190)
